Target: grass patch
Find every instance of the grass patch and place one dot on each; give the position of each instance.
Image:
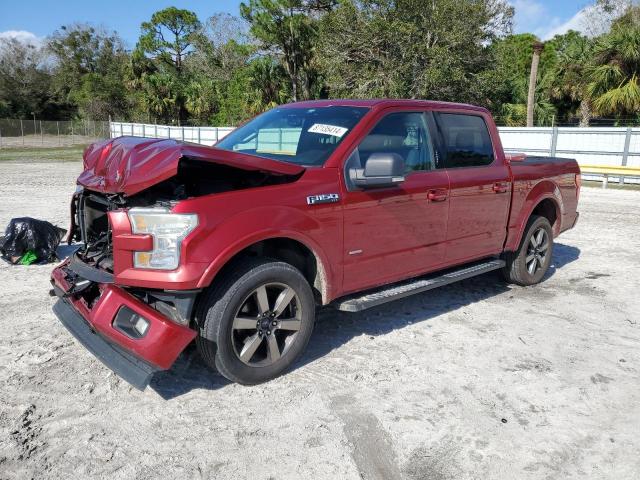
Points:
(53, 154)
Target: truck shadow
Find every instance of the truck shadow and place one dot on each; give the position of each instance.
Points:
(334, 328)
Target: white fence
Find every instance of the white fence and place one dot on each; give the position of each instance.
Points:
(609, 146)
(590, 146)
(202, 135)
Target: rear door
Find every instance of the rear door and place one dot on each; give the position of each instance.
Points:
(480, 183)
(396, 232)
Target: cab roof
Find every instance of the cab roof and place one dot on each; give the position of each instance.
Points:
(382, 103)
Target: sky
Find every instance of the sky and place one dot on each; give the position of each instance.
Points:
(33, 20)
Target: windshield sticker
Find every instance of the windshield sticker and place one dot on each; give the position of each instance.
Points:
(328, 130)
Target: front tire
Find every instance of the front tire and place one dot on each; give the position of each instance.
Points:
(528, 265)
(256, 321)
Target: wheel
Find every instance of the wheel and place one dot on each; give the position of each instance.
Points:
(528, 265)
(256, 321)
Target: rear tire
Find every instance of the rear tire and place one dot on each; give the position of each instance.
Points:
(256, 321)
(529, 264)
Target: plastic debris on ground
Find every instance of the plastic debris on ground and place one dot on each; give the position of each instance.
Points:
(28, 240)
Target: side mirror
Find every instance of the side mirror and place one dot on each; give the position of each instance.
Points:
(381, 170)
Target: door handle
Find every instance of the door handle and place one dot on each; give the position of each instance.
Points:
(437, 195)
(500, 187)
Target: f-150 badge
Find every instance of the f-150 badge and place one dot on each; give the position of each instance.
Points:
(323, 198)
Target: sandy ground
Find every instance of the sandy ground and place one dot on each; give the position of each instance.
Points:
(473, 381)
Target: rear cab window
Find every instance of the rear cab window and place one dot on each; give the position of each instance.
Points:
(466, 140)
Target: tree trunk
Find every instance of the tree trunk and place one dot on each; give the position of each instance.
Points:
(585, 113)
(533, 79)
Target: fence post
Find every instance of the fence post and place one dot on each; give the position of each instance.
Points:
(144, 130)
(199, 136)
(155, 130)
(627, 144)
(183, 134)
(554, 141)
(217, 135)
(22, 132)
(121, 131)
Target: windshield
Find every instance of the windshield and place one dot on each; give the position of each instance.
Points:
(304, 136)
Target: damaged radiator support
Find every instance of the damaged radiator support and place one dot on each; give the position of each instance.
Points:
(93, 263)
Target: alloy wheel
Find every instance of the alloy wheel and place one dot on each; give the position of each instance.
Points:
(537, 250)
(266, 324)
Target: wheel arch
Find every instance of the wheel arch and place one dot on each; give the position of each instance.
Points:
(544, 200)
(286, 247)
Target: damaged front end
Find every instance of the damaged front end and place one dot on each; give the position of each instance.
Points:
(134, 331)
(127, 293)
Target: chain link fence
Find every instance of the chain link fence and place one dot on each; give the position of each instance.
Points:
(48, 133)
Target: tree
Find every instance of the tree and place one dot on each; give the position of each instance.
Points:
(614, 80)
(533, 79)
(600, 15)
(289, 28)
(168, 40)
(219, 69)
(89, 65)
(569, 75)
(266, 82)
(169, 36)
(25, 81)
(412, 49)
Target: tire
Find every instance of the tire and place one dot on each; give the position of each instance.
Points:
(536, 249)
(258, 307)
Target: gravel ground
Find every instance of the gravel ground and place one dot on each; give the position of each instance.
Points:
(477, 380)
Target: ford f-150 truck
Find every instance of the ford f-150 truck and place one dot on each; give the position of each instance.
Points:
(341, 202)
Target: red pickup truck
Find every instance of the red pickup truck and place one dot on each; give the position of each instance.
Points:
(350, 203)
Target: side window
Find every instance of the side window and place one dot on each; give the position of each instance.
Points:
(403, 133)
(466, 140)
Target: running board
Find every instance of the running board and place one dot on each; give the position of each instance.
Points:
(418, 285)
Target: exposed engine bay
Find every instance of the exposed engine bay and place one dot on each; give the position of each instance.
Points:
(194, 178)
(92, 264)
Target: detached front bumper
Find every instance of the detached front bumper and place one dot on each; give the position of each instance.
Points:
(135, 358)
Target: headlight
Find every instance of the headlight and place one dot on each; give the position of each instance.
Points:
(167, 229)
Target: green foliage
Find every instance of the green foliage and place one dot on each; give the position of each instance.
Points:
(412, 49)
(168, 39)
(90, 64)
(25, 82)
(228, 68)
(289, 29)
(614, 79)
(568, 85)
(169, 36)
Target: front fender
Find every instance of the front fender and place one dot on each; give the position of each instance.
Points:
(263, 223)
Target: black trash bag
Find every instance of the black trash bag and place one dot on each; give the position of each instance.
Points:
(30, 235)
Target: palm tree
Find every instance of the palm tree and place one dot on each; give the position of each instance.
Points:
(533, 79)
(267, 83)
(569, 76)
(614, 81)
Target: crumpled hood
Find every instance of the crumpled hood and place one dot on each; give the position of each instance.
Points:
(129, 165)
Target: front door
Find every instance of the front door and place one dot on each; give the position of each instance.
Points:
(396, 232)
